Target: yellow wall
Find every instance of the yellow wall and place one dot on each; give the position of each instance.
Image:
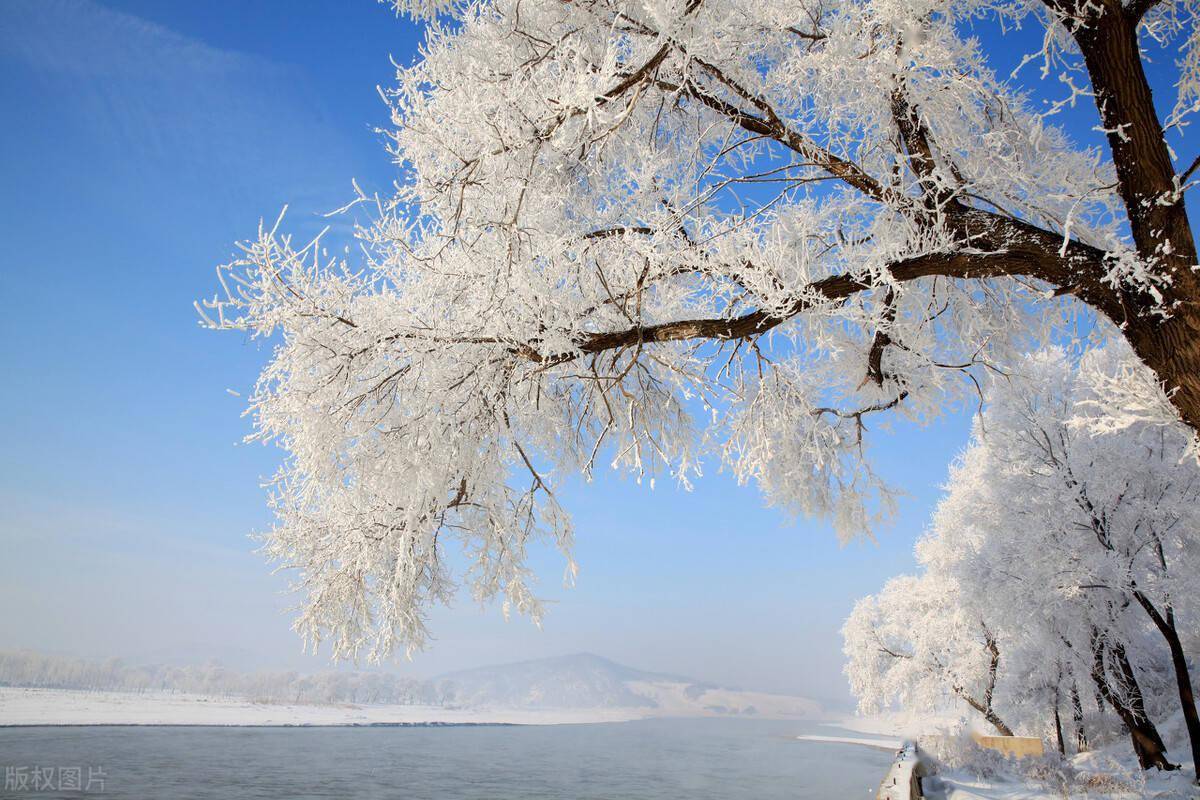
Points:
(1019, 746)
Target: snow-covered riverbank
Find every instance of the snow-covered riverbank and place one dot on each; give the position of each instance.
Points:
(882, 744)
(960, 771)
(19, 706)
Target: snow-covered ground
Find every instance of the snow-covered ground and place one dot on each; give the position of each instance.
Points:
(1108, 773)
(66, 707)
(896, 725)
(960, 785)
(883, 744)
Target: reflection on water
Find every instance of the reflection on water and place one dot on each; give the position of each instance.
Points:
(647, 760)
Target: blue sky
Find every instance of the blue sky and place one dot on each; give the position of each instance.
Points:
(141, 139)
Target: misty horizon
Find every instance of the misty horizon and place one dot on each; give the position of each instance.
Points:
(246, 668)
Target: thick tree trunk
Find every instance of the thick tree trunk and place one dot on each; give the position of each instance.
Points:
(1165, 622)
(1147, 743)
(1156, 751)
(1187, 697)
(1158, 219)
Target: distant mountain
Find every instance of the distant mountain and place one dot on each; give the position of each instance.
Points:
(583, 680)
(587, 681)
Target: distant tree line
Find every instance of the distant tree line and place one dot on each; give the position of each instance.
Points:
(36, 670)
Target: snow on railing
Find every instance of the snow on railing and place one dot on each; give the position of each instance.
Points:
(903, 780)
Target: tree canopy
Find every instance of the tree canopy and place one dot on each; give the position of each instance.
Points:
(648, 233)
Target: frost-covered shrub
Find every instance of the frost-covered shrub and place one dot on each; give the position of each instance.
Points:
(959, 753)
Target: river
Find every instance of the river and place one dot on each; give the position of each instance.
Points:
(717, 759)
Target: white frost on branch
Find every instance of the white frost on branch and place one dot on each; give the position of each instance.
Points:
(639, 234)
(1121, 393)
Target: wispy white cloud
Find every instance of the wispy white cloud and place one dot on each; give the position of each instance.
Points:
(84, 38)
(140, 97)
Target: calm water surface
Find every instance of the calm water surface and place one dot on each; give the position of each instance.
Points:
(645, 760)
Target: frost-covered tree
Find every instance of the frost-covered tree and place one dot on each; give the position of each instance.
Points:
(1114, 519)
(1079, 542)
(918, 644)
(643, 232)
(974, 543)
